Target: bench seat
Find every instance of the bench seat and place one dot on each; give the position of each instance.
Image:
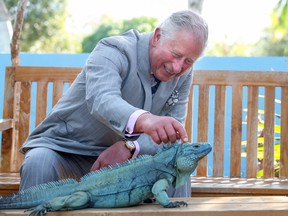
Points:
(204, 206)
(224, 186)
(9, 183)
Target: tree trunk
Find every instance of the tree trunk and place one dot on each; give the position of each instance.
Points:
(195, 5)
(15, 44)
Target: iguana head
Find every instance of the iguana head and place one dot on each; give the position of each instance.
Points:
(188, 155)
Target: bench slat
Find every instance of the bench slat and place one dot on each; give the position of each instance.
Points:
(236, 131)
(189, 116)
(219, 125)
(252, 132)
(8, 113)
(203, 103)
(41, 101)
(58, 88)
(284, 134)
(223, 186)
(268, 132)
(228, 77)
(22, 124)
(48, 74)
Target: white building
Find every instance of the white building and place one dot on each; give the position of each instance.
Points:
(6, 29)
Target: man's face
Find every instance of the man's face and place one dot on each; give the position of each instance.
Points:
(172, 57)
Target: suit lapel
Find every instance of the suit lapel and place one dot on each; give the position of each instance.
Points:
(162, 94)
(144, 68)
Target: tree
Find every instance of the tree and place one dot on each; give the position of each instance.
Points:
(109, 27)
(275, 40)
(195, 5)
(43, 26)
(282, 11)
(237, 48)
(273, 43)
(15, 44)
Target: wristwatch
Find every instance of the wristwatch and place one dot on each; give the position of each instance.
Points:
(131, 146)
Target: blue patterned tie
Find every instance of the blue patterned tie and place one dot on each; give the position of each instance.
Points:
(154, 83)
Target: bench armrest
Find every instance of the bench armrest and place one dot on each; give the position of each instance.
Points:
(6, 124)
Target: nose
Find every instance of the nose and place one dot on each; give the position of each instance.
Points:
(177, 66)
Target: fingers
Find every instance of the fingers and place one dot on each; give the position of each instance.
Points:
(162, 129)
(171, 133)
(164, 135)
(95, 166)
(180, 131)
(115, 154)
(155, 137)
(168, 131)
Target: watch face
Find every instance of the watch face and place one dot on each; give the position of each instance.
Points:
(130, 145)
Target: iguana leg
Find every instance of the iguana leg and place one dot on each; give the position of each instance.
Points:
(78, 200)
(159, 190)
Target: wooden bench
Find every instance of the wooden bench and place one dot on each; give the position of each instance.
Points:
(17, 123)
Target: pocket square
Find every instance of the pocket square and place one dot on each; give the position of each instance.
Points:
(173, 99)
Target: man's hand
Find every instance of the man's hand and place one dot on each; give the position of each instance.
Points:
(117, 153)
(162, 129)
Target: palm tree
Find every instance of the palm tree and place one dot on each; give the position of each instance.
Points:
(282, 12)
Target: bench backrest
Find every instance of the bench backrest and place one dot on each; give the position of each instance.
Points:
(18, 105)
(212, 93)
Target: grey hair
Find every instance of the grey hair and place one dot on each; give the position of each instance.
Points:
(185, 20)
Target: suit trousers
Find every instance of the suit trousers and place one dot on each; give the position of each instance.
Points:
(42, 165)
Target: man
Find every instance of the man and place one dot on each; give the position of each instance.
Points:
(130, 97)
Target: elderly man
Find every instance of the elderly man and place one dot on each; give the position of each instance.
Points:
(129, 99)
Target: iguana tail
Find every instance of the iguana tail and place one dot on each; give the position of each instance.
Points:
(38, 194)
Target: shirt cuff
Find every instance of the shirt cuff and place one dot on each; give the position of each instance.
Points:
(137, 149)
(132, 120)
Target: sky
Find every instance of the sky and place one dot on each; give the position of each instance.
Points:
(229, 20)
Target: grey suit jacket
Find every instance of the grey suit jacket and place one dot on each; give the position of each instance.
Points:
(115, 82)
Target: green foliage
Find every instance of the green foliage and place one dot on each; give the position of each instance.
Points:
(110, 27)
(221, 48)
(275, 40)
(282, 11)
(43, 26)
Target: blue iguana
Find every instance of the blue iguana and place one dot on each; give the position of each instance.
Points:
(123, 185)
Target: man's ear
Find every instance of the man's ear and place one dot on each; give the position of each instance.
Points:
(156, 36)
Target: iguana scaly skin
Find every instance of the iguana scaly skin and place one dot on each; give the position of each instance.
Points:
(123, 185)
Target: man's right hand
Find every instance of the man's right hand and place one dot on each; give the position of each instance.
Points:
(162, 129)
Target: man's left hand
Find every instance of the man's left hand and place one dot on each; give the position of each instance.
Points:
(115, 154)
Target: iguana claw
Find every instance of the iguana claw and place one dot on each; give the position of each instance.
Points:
(37, 211)
(176, 204)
